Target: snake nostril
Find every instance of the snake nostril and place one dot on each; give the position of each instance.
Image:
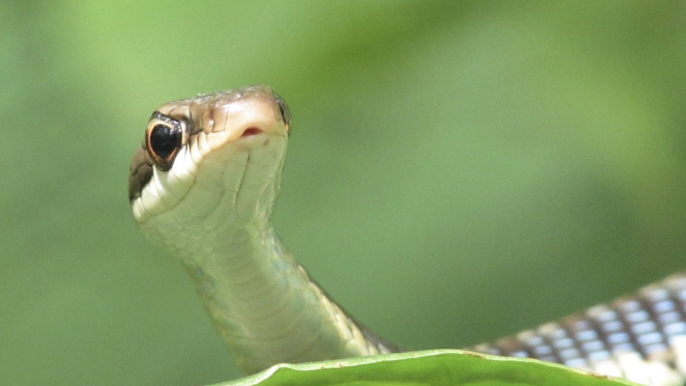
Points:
(251, 131)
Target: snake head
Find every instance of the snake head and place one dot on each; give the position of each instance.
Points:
(216, 152)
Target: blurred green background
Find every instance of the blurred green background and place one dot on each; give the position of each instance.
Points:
(457, 171)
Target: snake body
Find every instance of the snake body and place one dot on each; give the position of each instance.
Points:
(202, 185)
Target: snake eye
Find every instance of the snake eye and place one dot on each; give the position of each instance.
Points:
(163, 141)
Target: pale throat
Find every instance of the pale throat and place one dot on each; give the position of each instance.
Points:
(261, 301)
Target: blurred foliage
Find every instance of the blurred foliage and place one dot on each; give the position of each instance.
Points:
(458, 171)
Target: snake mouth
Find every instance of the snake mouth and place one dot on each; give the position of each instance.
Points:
(251, 131)
(253, 137)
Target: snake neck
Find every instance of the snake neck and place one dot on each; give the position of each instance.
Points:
(265, 306)
(202, 185)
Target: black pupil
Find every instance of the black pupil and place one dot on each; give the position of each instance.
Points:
(164, 140)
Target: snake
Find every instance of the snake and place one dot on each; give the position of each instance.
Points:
(202, 185)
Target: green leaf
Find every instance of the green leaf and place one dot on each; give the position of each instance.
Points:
(436, 367)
